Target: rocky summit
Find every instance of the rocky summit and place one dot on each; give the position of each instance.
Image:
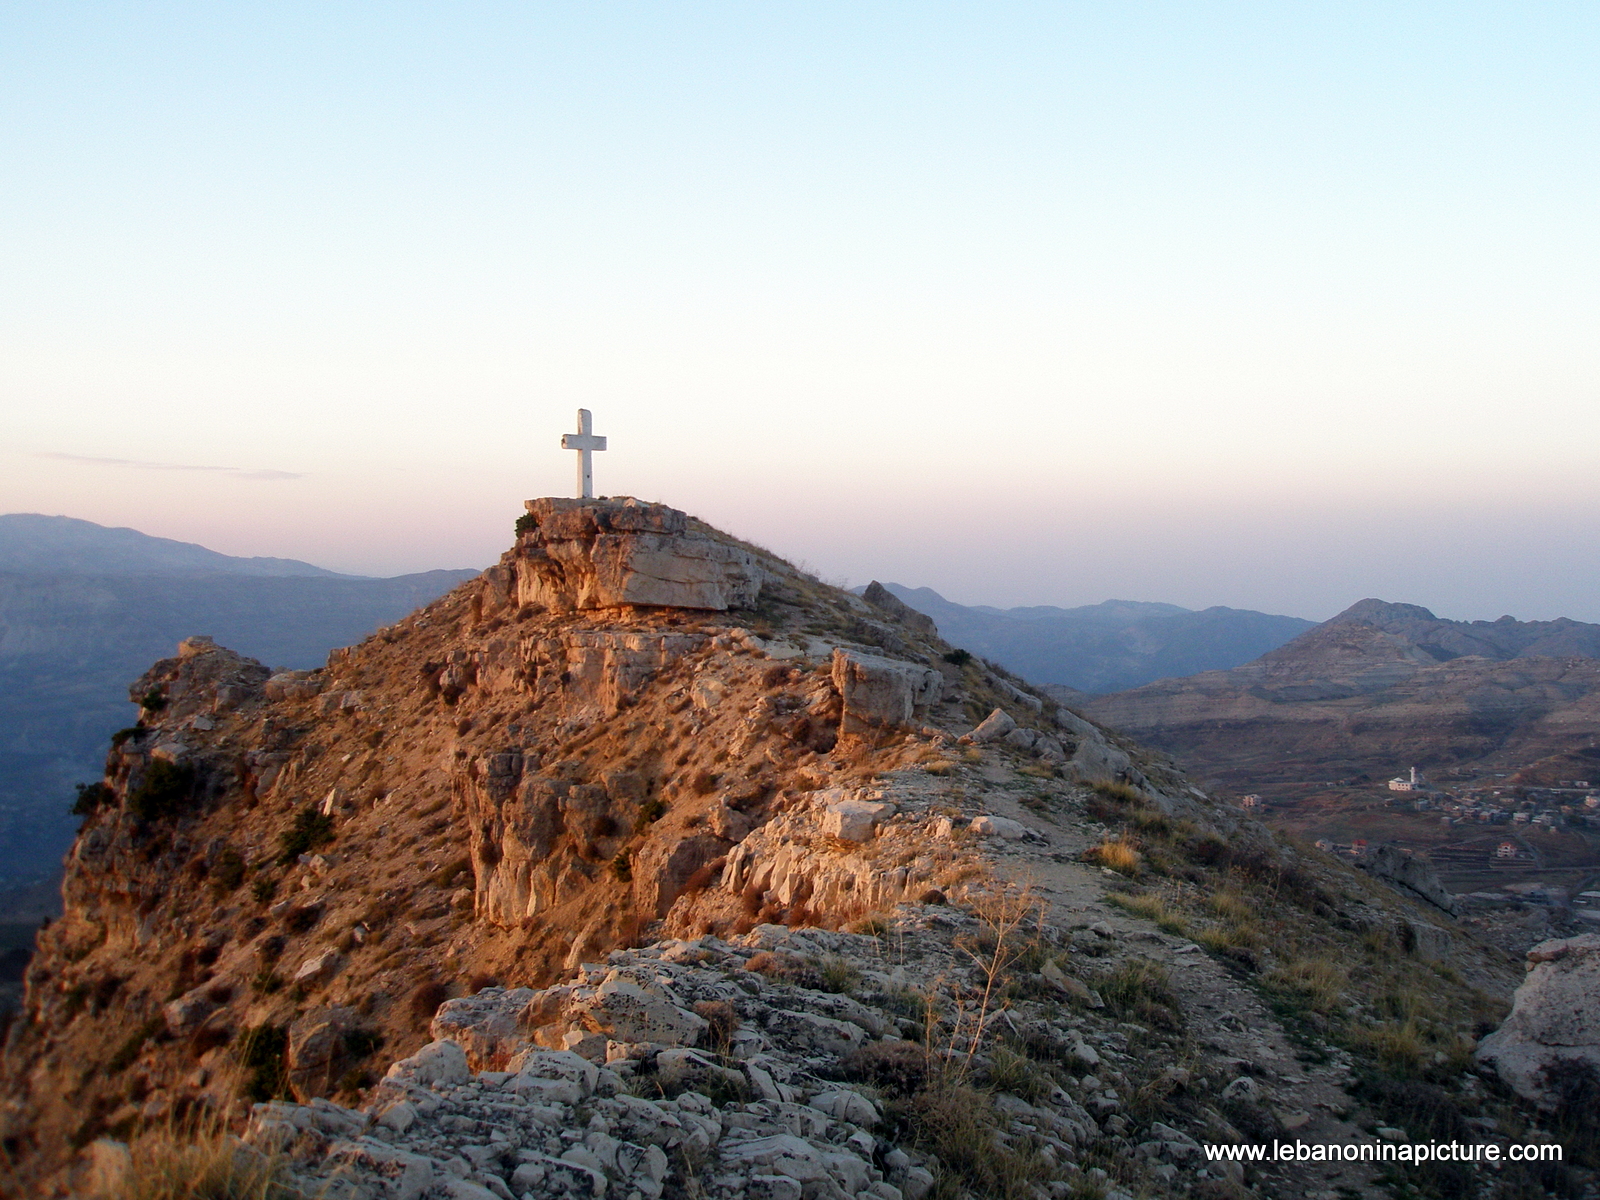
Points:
(645, 865)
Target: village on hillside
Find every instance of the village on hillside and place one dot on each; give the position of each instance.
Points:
(1519, 856)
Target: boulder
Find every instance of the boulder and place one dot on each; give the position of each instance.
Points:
(438, 1064)
(626, 1012)
(1551, 1040)
(317, 1048)
(854, 820)
(988, 825)
(583, 554)
(994, 727)
(881, 692)
(488, 1026)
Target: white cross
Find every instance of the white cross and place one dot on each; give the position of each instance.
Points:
(585, 443)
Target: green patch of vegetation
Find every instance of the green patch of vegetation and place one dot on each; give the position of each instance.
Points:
(229, 871)
(526, 523)
(123, 735)
(311, 828)
(92, 797)
(958, 657)
(262, 1053)
(153, 701)
(166, 789)
(651, 811)
(622, 866)
(1138, 989)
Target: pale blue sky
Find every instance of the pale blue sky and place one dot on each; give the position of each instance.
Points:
(1271, 305)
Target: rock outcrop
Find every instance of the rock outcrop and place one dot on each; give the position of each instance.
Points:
(1548, 1049)
(583, 554)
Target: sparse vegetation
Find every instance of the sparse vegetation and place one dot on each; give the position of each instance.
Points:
(262, 1051)
(1117, 855)
(165, 790)
(92, 797)
(311, 828)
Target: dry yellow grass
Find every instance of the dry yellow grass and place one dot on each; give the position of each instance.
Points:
(1116, 854)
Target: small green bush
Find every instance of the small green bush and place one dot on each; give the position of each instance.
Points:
(261, 1054)
(651, 811)
(526, 523)
(229, 872)
(311, 828)
(622, 866)
(165, 790)
(92, 797)
(123, 735)
(958, 657)
(153, 701)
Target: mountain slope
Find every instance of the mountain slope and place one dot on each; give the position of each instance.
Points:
(575, 844)
(84, 609)
(1105, 647)
(31, 543)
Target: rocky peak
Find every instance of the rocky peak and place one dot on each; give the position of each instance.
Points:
(585, 554)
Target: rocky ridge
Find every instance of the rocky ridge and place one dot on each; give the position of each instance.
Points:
(1377, 686)
(655, 867)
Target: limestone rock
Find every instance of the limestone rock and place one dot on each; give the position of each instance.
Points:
(583, 554)
(1554, 1026)
(994, 727)
(664, 866)
(988, 825)
(627, 1012)
(1410, 873)
(881, 597)
(854, 820)
(880, 692)
(488, 1026)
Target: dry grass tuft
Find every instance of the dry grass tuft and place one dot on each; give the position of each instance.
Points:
(1116, 854)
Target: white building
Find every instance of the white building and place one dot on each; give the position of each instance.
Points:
(1411, 783)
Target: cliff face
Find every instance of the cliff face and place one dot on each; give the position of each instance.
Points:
(634, 728)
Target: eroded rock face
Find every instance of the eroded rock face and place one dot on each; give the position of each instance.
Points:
(1410, 874)
(881, 691)
(583, 554)
(1552, 1037)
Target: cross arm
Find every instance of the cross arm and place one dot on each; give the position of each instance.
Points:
(582, 441)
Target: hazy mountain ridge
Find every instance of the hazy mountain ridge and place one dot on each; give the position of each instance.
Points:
(1105, 647)
(1378, 686)
(72, 637)
(33, 544)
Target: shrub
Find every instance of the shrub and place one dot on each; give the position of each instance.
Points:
(262, 1049)
(958, 657)
(182, 1161)
(1139, 990)
(1115, 854)
(92, 797)
(898, 1068)
(622, 866)
(362, 1043)
(651, 811)
(526, 523)
(447, 875)
(164, 791)
(228, 874)
(264, 888)
(122, 735)
(1113, 789)
(153, 701)
(311, 828)
(426, 999)
(1008, 1071)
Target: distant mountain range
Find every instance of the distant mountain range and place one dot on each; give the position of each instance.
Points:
(1379, 687)
(84, 609)
(1105, 647)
